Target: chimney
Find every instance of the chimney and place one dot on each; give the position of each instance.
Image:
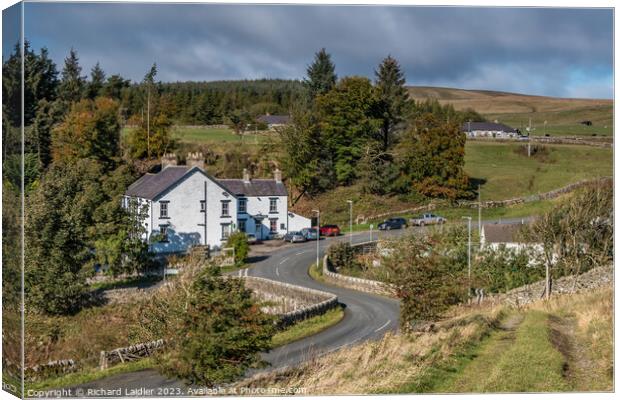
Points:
(246, 176)
(168, 159)
(277, 175)
(195, 160)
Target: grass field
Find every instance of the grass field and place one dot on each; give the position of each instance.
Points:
(503, 173)
(507, 174)
(308, 327)
(563, 115)
(202, 135)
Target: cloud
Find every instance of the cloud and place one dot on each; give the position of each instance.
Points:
(532, 50)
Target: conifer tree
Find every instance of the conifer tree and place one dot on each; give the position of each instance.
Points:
(393, 98)
(72, 84)
(97, 80)
(321, 75)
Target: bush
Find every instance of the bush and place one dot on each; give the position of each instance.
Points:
(239, 242)
(504, 269)
(427, 279)
(213, 327)
(341, 255)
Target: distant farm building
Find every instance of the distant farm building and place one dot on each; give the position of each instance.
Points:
(489, 129)
(274, 121)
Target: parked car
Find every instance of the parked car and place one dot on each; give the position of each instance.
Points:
(392, 223)
(329, 230)
(309, 233)
(427, 219)
(294, 237)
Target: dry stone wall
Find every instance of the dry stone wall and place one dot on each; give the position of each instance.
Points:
(592, 279)
(351, 282)
(291, 303)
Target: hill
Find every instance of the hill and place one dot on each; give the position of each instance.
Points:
(563, 115)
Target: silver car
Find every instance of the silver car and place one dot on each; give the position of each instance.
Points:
(294, 237)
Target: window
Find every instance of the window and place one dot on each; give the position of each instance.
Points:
(241, 223)
(163, 209)
(163, 233)
(273, 225)
(273, 206)
(243, 205)
(282, 227)
(203, 206)
(225, 211)
(225, 231)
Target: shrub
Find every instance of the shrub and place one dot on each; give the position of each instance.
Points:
(341, 255)
(427, 279)
(213, 327)
(239, 242)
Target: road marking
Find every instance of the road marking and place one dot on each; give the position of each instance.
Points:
(283, 261)
(302, 252)
(383, 326)
(277, 271)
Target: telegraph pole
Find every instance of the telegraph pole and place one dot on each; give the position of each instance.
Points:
(468, 252)
(148, 123)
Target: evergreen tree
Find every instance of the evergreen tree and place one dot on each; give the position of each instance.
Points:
(40, 82)
(347, 124)
(393, 98)
(59, 219)
(48, 115)
(321, 75)
(72, 84)
(97, 80)
(114, 87)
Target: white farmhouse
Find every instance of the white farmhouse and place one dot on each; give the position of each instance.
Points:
(489, 129)
(187, 207)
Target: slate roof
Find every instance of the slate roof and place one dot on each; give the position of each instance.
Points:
(486, 126)
(150, 185)
(256, 187)
(274, 119)
(502, 233)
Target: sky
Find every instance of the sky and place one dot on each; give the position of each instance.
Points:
(546, 51)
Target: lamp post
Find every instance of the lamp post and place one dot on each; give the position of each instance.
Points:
(468, 251)
(350, 221)
(318, 234)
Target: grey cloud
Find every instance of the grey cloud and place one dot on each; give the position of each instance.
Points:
(483, 46)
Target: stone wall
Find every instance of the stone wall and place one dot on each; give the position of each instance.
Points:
(351, 282)
(592, 279)
(489, 204)
(291, 303)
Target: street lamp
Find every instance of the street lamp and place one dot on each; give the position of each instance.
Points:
(318, 234)
(468, 251)
(350, 221)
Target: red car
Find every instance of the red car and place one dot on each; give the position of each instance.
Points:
(329, 230)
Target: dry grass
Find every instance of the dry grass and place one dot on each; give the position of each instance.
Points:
(587, 323)
(381, 366)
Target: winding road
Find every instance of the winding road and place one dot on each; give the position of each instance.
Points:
(366, 317)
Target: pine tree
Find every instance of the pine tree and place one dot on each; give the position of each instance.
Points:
(393, 98)
(72, 84)
(97, 80)
(321, 75)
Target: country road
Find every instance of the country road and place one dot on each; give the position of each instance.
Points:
(366, 316)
